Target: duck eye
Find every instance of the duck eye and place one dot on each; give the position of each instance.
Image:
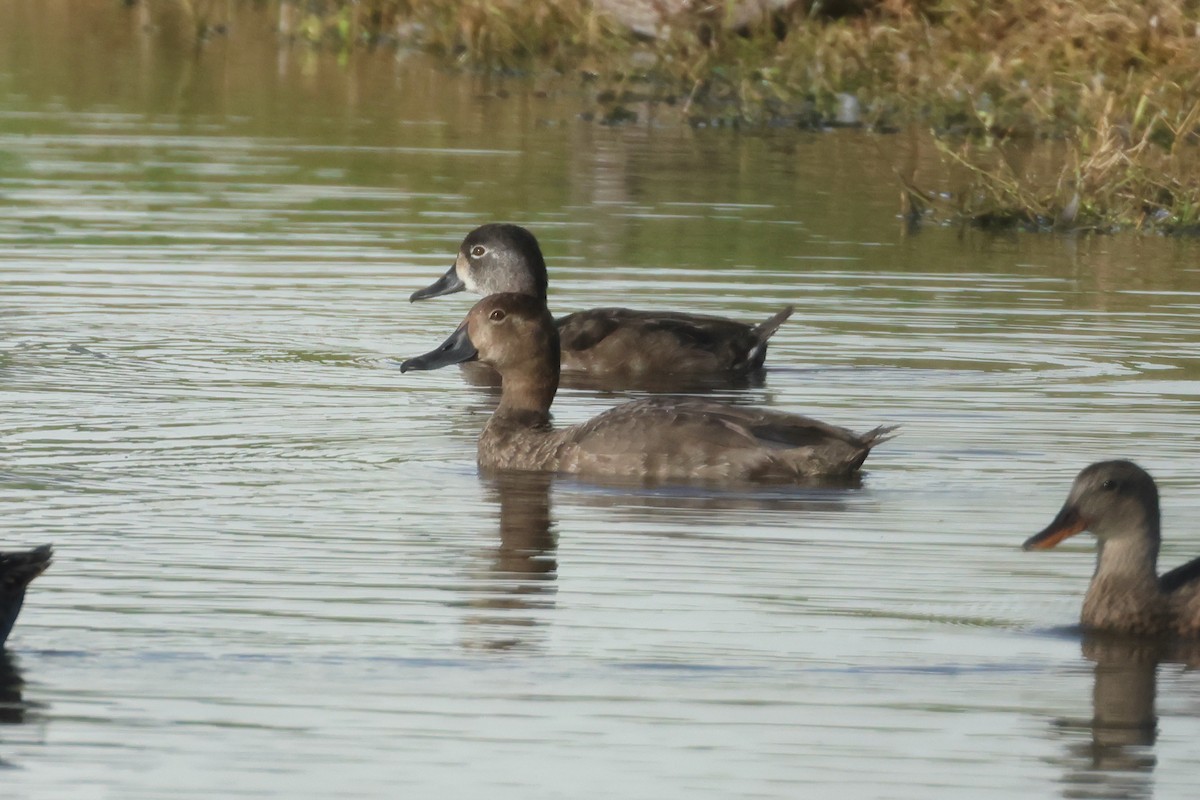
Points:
(478, 250)
(497, 315)
(1108, 486)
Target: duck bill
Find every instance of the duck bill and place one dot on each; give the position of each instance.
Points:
(447, 284)
(455, 350)
(1068, 523)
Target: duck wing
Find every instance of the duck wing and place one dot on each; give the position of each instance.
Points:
(1180, 577)
(682, 438)
(622, 340)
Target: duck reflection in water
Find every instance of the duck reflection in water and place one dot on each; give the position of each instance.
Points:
(1118, 758)
(12, 706)
(518, 583)
(16, 710)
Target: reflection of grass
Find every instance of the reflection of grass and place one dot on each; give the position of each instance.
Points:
(1115, 81)
(11, 164)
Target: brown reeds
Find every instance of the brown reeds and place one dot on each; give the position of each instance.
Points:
(1114, 83)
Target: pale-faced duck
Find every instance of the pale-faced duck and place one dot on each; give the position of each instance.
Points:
(498, 258)
(658, 439)
(1117, 501)
(17, 569)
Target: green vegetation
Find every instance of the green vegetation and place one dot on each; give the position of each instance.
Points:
(1113, 84)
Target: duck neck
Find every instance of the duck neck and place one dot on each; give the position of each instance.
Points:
(1132, 555)
(1128, 562)
(526, 395)
(1124, 593)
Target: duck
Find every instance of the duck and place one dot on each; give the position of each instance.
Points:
(1117, 501)
(17, 569)
(618, 342)
(657, 439)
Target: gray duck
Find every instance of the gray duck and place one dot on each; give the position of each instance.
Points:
(1117, 501)
(617, 342)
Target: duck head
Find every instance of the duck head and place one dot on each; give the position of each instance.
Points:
(494, 258)
(511, 332)
(1113, 500)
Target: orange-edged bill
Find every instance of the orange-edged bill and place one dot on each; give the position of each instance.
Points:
(1066, 524)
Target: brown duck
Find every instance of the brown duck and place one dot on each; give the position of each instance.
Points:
(499, 257)
(658, 439)
(1118, 502)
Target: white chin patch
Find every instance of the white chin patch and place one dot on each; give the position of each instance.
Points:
(469, 282)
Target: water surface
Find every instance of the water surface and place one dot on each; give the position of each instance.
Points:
(278, 572)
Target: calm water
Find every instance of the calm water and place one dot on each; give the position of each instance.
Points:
(279, 574)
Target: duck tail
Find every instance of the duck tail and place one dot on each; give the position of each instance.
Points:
(18, 569)
(760, 333)
(867, 441)
(879, 435)
(765, 330)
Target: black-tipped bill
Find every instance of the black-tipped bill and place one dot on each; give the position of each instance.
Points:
(455, 350)
(1068, 523)
(447, 284)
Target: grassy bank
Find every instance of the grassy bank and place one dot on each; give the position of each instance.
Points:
(1115, 82)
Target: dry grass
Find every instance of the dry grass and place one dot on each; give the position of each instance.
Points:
(1114, 175)
(1115, 81)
